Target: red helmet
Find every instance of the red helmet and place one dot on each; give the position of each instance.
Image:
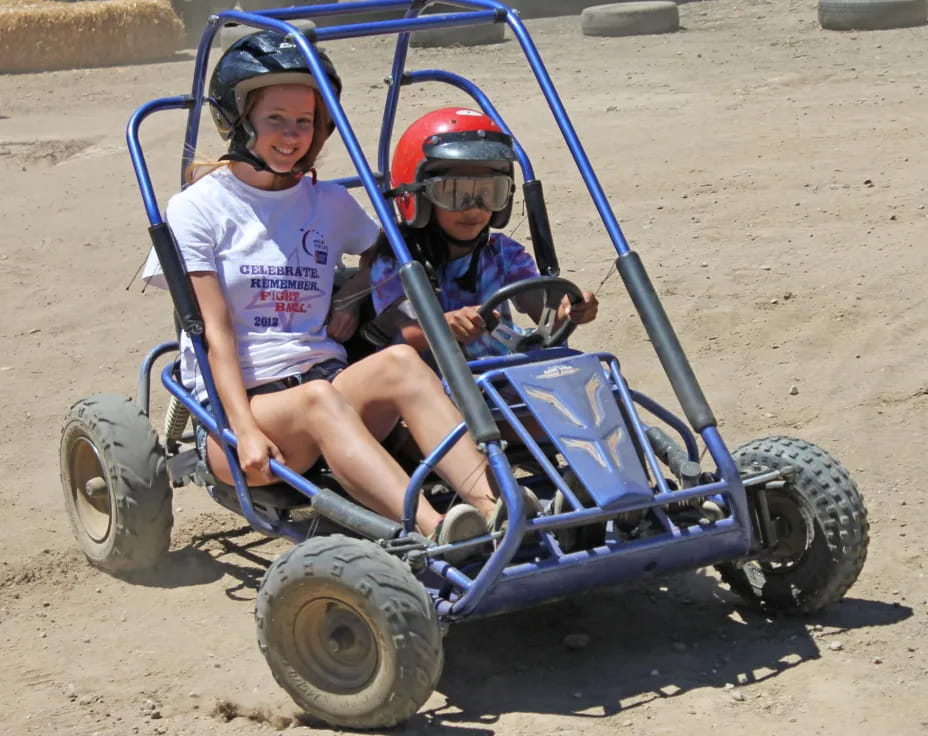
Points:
(438, 140)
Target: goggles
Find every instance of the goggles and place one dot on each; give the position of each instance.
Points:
(459, 193)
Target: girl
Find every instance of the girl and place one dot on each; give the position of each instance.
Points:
(261, 241)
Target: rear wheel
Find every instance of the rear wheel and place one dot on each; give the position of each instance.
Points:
(115, 484)
(349, 632)
(821, 526)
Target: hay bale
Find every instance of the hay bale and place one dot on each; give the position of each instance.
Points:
(72, 35)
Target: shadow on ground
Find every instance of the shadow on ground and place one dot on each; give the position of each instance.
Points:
(239, 553)
(593, 656)
(654, 640)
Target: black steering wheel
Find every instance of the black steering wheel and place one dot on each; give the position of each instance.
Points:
(543, 335)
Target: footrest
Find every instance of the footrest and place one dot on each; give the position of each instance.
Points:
(277, 496)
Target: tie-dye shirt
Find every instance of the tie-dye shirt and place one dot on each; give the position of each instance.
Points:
(502, 261)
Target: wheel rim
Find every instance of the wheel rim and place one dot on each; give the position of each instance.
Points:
(795, 527)
(90, 493)
(335, 646)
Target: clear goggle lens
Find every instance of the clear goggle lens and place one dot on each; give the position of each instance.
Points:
(458, 193)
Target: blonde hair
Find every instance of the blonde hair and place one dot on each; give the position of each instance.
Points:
(322, 129)
(198, 169)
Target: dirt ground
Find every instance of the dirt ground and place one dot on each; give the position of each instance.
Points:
(773, 177)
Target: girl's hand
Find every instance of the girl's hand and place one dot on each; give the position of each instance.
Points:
(342, 323)
(581, 312)
(466, 324)
(254, 452)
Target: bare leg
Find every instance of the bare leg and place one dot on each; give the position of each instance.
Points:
(396, 382)
(313, 419)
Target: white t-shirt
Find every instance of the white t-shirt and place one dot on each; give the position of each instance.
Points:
(274, 253)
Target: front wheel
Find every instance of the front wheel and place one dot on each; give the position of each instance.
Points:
(821, 527)
(349, 632)
(115, 484)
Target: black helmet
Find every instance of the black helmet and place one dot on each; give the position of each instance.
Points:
(259, 60)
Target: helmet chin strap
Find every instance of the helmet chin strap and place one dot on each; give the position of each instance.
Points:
(469, 243)
(239, 150)
(468, 280)
(257, 163)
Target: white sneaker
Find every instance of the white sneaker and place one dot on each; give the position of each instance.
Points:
(501, 512)
(462, 522)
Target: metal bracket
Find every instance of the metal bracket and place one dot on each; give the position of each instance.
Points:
(757, 487)
(182, 467)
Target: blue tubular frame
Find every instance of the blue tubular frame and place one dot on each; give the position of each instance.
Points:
(501, 583)
(501, 586)
(218, 424)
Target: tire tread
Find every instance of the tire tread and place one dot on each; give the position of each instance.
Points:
(393, 594)
(132, 454)
(834, 499)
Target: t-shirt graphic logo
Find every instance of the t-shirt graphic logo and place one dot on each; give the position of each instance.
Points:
(314, 245)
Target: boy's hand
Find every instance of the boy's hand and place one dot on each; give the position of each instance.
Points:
(342, 323)
(345, 310)
(581, 312)
(465, 323)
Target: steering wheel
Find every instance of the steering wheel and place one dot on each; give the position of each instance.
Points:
(543, 335)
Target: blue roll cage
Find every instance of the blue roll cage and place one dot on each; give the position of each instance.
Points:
(474, 393)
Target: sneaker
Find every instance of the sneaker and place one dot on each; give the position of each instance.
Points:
(501, 512)
(711, 511)
(461, 522)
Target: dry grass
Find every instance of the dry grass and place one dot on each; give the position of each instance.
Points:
(56, 35)
(25, 3)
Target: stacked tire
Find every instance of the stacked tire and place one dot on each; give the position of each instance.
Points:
(631, 18)
(871, 15)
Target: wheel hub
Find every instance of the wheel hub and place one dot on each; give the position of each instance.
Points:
(95, 487)
(795, 528)
(335, 646)
(89, 489)
(341, 640)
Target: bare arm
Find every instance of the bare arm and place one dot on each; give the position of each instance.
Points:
(465, 324)
(254, 447)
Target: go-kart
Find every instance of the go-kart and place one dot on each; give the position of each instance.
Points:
(351, 617)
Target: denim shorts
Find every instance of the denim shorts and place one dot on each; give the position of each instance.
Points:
(325, 371)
